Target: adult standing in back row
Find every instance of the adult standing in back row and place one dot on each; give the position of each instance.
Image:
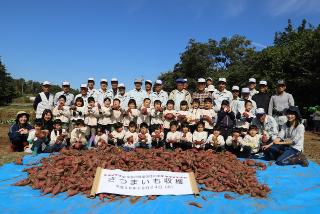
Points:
(179, 94)
(201, 92)
(66, 92)
(43, 100)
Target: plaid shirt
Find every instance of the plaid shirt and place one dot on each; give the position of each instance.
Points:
(201, 97)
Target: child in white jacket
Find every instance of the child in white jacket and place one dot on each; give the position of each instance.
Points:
(131, 137)
(199, 136)
(105, 115)
(234, 142)
(91, 114)
(101, 137)
(215, 140)
(78, 138)
(131, 114)
(251, 142)
(145, 112)
(62, 112)
(144, 138)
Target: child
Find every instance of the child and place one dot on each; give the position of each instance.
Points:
(116, 115)
(37, 138)
(101, 137)
(105, 115)
(78, 138)
(62, 112)
(208, 115)
(77, 112)
(226, 119)
(215, 141)
(195, 114)
(186, 136)
(184, 114)
(245, 117)
(131, 137)
(251, 142)
(173, 136)
(58, 138)
(144, 138)
(156, 115)
(169, 115)
(157, 137)
(234, 142)
(116, 137)
(199, 136)
(91, 114)
(131, 114)
(145, 111)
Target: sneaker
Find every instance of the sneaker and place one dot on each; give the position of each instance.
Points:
(303, 160)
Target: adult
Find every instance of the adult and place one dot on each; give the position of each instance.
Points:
(287, 148)
(159, 94)
(102, 92)
(235, 104)
(179, 94)
(252, 87)
(18, 132)
(47, 120)
(83, 94)
(209, 83)
(201, 94)
(138, 94)
(262, 99)
(43, 100)
(113, 91)
(122, 96)
(186, 84)
(92, 92)
(279, 102)
(222, 93)
(245, 95)
(66, 92)
(267, 125)
(148, 87)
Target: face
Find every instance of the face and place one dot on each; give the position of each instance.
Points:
(252, 85)
(248, 106)
(281, 88)
(170, 106)
(291, 117)
(235, 94)
(66, 88)
(47, 117)
(195, 105)
(103, 86)
(261, 117)
(90, 84)
(116, 103)
(146, 103)
(180, 86)
(138, 86)
(144, 130)
(78, 103)
(132, 106)
(216, 132)
(185, 129)
(132, 129)
(119, 129)
(173, 128)
(157, 105)
(23, 119)
(91, 103)
(185, 85)
(57, 126)
(209, 82)
(252, 132)
(158, 88)
(99, 132)
(114, 85)
(208, 105)
(200, 128)
(263, 88)
(245, 95)
(148, 87)
(84, 91)
(37, 128)
(183, 107)
(201, 86)
(221, 86)
(45, 88)
(107, 103)
(62, 101)
(122, 90)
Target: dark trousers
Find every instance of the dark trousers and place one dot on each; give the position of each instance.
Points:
(53, 148)
(185, 145)
(209, 146)
(106, 127)
(157, 144)
(226, 131)
(18, 146)
(282, 154)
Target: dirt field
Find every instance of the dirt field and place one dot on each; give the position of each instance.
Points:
(312, 147)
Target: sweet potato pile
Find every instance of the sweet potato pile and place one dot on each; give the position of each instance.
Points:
(73, 171)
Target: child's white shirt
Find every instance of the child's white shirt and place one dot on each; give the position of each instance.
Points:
(64, 114)
(156, 117)
(54, 135)
(99, 138)
(135, 139)
(144, 118)
(242, 123)
(195, 115)
(229, 141)
(166, 123)
(199, 136)
(91, 116)
(79, 134)
(161, 135)
(186, 137)
(118, 135)
(131, 116)
(105, 116)
(253, 142)
(148, 138)
(116, 116)
(175, 136)
(220, 140)
(212, 114)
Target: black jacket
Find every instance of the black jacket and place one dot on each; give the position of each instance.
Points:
(262, 100)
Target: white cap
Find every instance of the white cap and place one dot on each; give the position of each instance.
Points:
(46, 83)
(90, 79)
(209, 78)
(148, 81)
(121, 85)
(138, 81)
(245, 90)
(210, 88)
(263, 82)
(104, 80)
(201, 80)
(260, 111)
(65, 83)
(252, 80)
(235, 88)
(114, 80)
(186, 80)
(222, 79)
(83, 85)
(159, 82)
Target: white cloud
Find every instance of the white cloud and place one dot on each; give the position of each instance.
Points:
(235, 7)
(283, 7)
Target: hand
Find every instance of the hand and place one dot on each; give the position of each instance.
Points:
(23, 131)
(277, 141)
(99, 106)
(160, 109)
(245, 114)
(73, 108)
(265, 147)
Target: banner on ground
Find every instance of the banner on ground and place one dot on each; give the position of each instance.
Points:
(142, 183)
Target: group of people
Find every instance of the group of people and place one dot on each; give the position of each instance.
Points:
(247, 122)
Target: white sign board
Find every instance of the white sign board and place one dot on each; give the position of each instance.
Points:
(141, 183)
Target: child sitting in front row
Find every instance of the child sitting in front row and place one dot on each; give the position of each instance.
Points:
(78, 138)
(199, 136)
(234, 142)
(157, 136)
(215, 141)
(116, 137)
(131, 137)
(173, 136)
(144, 138)
(57, 138)
(101, 136)
(251, 142)
(37, 138)
(186, 136)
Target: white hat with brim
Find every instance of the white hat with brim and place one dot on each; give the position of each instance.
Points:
(260, 111)
(121, 85)
(46, 83)
(103, 80)
(138, 81)
(252, 80)
(223, 80)
(83, 85)
(148, 81)
(235, 88)
(263, 82)
(245, 90)
(158, 82)
(201, 80)
(90, 79)
(65, 83)
(114, 80)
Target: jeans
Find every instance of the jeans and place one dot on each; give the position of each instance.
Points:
(288, 154)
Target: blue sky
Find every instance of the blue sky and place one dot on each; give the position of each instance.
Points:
(73, 40)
